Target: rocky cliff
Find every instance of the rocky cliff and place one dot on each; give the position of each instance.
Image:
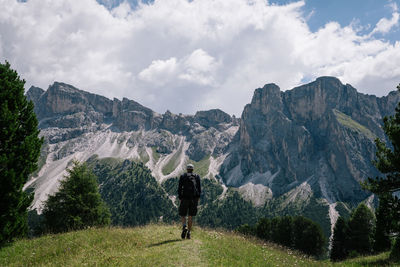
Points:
(321, 133)
(315, 141)
(77, 124)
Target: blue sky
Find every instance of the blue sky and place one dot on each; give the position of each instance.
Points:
(365, 13)
(211, 52)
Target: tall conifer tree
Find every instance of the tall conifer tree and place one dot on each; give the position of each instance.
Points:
(77, 204)
(19, 152)
(361, 230)
(384, 223)
(388, 163)
(339, 249)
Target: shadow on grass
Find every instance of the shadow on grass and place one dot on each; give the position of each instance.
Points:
(164, 242)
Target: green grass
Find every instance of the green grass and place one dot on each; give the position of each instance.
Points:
(353, 125)
(108, 161)
(172, 163)
(159, 245)
(375, 260)
(156, 155)
(144, 157)
(201, 167)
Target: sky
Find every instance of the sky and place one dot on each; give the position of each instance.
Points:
(185, 56)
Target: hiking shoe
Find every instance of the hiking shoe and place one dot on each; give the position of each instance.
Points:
(188, 235)
(184, 231)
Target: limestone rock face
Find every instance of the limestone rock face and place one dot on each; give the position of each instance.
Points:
(318, 136)
(322, 131)
(130, 115)
(62, 99)
(175, 123)
(34, 94)
(65, 113)
(211, 118)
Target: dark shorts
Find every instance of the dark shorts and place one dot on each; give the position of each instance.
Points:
(188, 207)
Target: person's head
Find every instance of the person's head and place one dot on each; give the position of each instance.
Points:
(189, 168)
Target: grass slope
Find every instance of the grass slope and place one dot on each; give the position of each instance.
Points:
(353, 125)
(172, 163)
(157, 245)
(201, 167)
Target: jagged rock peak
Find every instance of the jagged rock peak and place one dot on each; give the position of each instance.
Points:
(329, 79)
(269, 90)
(267, 99)
(62, 99)
(34, 93)
(330, 87)
(212, 117)
(63, 87)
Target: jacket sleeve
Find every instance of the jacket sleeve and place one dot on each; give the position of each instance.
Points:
(180, 187)
(198, 185)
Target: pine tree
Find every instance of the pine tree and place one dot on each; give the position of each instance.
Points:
(361, 230)
(308, 236)
(77, 204)
(19, 152)
(384, 223)
(388, 163)
(339, 249)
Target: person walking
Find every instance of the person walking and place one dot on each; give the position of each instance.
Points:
(189, 191)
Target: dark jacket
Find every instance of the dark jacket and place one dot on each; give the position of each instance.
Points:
(185, 182)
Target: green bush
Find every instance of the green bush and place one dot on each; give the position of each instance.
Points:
(246, 229)
(284, 231)
(395, 253)
(263, 229)
(297, 232)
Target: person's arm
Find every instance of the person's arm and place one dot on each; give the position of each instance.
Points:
(180, 188)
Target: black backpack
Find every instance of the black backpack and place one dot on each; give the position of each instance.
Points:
(190, 186)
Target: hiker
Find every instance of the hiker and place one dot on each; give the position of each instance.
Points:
(189, 191)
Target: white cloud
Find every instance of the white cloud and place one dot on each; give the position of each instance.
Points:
(211, 52)
(159, 72)
(393, 6)
(199, 68)
(384, 25)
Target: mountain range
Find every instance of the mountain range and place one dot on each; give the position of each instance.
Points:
(314, 142)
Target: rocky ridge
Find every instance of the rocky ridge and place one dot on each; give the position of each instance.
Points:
(315, 141)
(321, 133)
(78, 124)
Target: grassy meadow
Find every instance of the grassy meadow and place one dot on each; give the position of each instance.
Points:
(159, 245)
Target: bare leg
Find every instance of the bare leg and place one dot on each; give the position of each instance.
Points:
(183, 220)
(190, 221)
